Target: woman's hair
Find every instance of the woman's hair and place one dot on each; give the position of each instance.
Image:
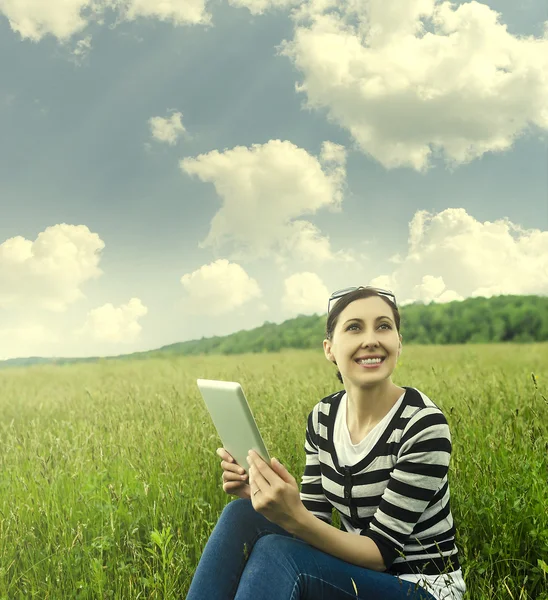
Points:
(343, 302)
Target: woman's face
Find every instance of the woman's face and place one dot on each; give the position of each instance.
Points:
(364, 328)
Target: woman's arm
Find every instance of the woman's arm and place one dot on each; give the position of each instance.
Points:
(352, 548)
(312, 494)
(421, 468)
(275, 494)
(420, 473)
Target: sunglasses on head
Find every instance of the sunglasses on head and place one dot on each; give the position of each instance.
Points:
(340, 293)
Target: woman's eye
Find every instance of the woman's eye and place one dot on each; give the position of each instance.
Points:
(356, 325)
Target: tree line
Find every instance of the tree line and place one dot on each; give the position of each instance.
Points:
(519, 319)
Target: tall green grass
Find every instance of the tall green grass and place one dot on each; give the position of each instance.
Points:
(110, 485)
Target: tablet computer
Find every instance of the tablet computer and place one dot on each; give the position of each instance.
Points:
(233, 419)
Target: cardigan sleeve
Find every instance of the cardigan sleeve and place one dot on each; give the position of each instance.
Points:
(312, 494)
(420, 471)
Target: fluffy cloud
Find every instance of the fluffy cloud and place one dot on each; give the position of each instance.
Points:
(117, 325)
(167, 130)
(419, 79)
(82, 49)
(34, 19)
(31, 339)
(305, 293)
(452, 256)
(48, 272)
(304, 240)
(433, 288)
(180, 12)
(218, 288)
(265, 189)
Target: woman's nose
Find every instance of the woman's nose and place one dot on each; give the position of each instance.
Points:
(369, 339)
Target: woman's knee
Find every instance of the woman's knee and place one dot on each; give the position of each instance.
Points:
(237, 509)
(275, 545)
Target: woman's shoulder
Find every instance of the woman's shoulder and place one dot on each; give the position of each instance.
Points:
(419, 401)
(330, 399)
(421, 413)
(324, 405)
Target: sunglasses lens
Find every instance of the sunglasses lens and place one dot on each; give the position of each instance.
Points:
(343, 292)
(340, 293)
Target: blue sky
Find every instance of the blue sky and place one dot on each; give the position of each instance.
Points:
(191, 168)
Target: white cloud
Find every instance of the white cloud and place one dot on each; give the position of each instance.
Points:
(304, 240)
(305, 293)
(48, 272)
(434, 288)
(265, 189)
(118, 325)
(82, 49)
(452, 256)
(218, 288)
(167, 130)
(34, 19)
(416, 79)
(27, 333)
(180, 12)
(31, 339)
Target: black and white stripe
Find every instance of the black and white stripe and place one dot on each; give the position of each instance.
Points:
(398, 494)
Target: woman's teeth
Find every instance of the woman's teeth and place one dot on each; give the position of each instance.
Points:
(370, 361)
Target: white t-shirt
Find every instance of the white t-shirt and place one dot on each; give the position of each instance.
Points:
(449, 586)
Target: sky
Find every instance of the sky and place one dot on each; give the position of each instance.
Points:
(188, 168)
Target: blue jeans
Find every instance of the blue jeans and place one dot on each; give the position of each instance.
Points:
(280, 566)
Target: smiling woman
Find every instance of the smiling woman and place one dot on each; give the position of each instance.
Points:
(378, 454)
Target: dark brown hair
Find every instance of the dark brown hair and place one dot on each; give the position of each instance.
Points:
(343, 302)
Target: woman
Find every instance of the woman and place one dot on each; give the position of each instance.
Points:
(377, 453)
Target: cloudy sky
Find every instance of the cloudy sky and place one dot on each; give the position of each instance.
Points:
(186, 168)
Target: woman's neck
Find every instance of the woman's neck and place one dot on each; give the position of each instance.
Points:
(367, 406)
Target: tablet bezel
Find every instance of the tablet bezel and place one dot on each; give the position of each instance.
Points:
(233, 419)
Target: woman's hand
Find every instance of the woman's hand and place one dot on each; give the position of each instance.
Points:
(234, 477)
(279, 497)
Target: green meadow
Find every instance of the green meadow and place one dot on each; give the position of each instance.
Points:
(110, 485)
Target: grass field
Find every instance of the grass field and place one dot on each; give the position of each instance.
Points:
(110, 485)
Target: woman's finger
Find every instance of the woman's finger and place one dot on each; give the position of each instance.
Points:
(259, 475)
(225, 455)
(230, 476)
(228, 463)
(234, 468)
(236, 489)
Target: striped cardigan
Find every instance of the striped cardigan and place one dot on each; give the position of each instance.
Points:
(398, 494)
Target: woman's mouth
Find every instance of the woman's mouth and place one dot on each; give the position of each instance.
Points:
(370, 363)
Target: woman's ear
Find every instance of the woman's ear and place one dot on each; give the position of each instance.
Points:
(327, 351)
